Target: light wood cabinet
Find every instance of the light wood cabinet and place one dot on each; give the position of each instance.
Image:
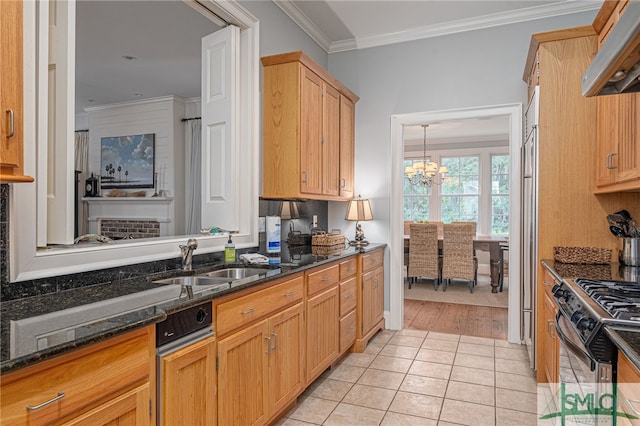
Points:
(370, 308)
(188, 386)
(617, 122)
(261, 365)
(628, 391)
(11, 96)
(308, 129)
(549, 343)
(105, 381)
(323, 319)
(348, 303)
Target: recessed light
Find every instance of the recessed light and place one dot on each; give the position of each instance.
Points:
(129, 57)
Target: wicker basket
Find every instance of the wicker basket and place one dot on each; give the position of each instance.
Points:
(327, 250)
(583, 255)
(324, 239)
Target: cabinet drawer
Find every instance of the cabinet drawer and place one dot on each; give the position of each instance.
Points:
(321, 279)
(85, 377)
(347, 296)
(348, 268)
(372, 260)
(245, 309)
(347, 331)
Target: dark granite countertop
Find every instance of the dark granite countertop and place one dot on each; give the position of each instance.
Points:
(626, 338)
(67, 309)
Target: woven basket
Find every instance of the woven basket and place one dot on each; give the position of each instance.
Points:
(327, 250)
(324, 239)
(584, 255)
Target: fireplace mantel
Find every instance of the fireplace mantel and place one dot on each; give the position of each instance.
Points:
(131, 208)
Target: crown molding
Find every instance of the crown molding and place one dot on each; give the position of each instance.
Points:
(436, 30)
(296, 15)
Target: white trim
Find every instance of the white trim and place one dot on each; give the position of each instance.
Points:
(435, 30)
(29, 263)
(396, 292)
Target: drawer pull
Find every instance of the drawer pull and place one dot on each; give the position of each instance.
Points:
(51, 401)
(248, 311)
(290, 294)
(11, 124)
(326, 278)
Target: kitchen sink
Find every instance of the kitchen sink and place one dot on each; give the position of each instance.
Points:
(200, 281)
(232, 274)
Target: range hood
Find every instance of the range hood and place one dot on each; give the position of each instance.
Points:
(616, 67)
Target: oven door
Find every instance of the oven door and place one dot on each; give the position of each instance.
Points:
(581, 374)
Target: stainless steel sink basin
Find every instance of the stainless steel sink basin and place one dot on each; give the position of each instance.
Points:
(232, 274)
(196, 281)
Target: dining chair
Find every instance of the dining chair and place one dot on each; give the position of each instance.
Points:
(424, 260)
(458, 260)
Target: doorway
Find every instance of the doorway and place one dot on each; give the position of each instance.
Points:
(396, 275)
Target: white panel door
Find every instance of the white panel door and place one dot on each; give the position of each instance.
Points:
(57, 140)
(220, 162)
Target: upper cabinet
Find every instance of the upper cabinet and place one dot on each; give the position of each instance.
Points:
(309, 121)
(11, 102)
(618, 122)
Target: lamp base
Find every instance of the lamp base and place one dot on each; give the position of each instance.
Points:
(359, 245)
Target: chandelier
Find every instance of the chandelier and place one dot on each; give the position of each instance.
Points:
(425, 172)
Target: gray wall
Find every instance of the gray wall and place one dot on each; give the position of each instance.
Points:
(470, 69)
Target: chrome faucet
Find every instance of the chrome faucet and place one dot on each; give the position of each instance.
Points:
(187, 252)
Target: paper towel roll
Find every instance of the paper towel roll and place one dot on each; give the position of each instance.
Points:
(273, 234)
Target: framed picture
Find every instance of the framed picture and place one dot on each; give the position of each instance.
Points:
(127, 161)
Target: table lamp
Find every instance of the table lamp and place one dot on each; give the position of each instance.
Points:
(359, 209)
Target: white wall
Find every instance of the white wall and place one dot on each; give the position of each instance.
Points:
(470, 69)
(160, 116)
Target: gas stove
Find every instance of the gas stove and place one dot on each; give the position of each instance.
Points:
(619, 299)
(587, 305)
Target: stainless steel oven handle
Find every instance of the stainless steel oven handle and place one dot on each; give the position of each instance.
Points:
(578, 351)
(630, 403)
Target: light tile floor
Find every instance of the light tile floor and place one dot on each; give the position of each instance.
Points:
(413, 377)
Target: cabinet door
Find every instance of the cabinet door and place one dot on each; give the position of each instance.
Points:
(322, 332)
(129, 409)
(310, 133)
(550, 342)
(331, 141)
(372, 298)
(11, 88)
(628, 153)
(242, 363)
(286, 358)
(347, 146)
(188, 385)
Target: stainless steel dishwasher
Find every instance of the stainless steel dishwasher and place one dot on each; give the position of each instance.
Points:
(179, 331)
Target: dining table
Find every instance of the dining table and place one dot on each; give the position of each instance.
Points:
(486, 243)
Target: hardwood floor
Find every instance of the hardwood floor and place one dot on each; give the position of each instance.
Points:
(468, 320)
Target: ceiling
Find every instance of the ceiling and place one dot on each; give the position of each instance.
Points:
(164, 38)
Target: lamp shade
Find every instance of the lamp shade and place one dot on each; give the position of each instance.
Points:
(359, 209)
(289, 210)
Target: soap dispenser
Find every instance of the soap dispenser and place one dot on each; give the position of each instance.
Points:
(230, 251)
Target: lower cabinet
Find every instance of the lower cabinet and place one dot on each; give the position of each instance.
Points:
(628, 392)
(549, 338)
(105, 383)
(128, 409)
(370, 298)
(260, 365)
(188, 385)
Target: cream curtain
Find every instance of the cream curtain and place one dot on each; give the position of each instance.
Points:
(193, 137)
(81, 165)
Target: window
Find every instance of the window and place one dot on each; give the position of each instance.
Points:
(476, 190)
(500, 194)
(461, 189)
